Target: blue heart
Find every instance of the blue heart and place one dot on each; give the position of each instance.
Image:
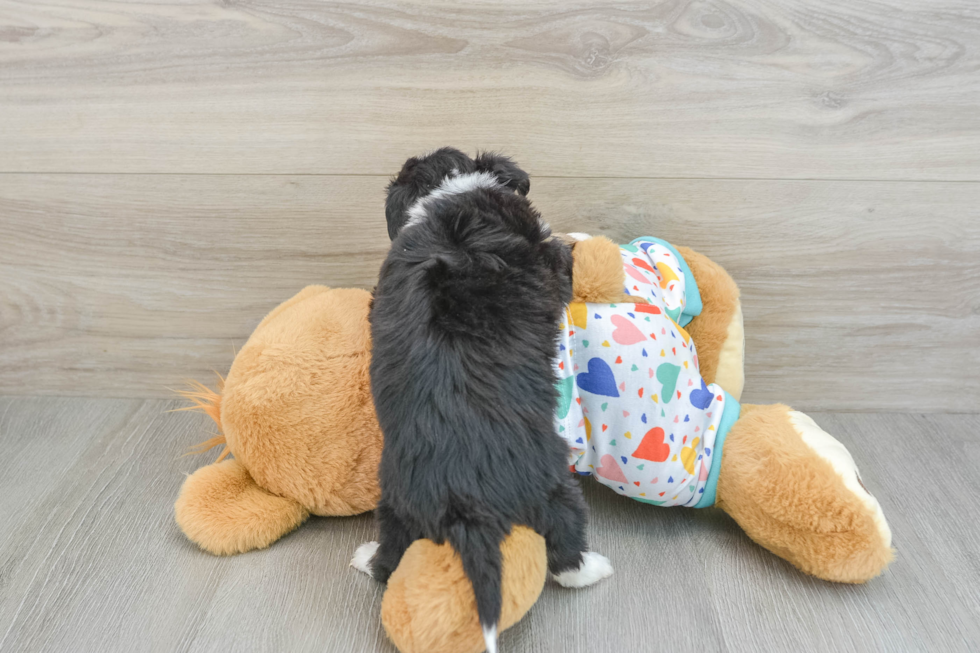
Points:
(580, 441)
(670, 480)
(643, 418)
(644, 352)
(687, 418)
(598, 317)
(624, 459)
(631, 315)
(599, 380)
(702, 397)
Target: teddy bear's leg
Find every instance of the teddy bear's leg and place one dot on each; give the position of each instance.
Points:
(223, 511)
(597, 271)
(429, 606)
(717, 332)
(796, 491)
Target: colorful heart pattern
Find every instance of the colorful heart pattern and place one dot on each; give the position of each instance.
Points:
(599, 380)
(629, 369)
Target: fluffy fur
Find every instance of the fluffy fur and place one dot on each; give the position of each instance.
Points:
(791, 501)
(798, 508)
(464, 324)
(718, 342)
(296, 413)
(429, 605)
(421, 175)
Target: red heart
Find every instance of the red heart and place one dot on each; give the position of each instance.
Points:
(640, 263)
(646, 308)
(604, 427)
(619, 359)
(661, 494)
(653, 447)
(561, 365)
(636, 483)
(641, 393)
(678, 394)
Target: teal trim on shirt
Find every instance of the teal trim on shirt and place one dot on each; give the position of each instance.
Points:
(728, 418)
(692, 296)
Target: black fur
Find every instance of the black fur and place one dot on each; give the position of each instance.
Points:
(421, 175)
(464, 325)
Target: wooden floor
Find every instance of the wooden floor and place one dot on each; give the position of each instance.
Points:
(170, 170)
(91, 559)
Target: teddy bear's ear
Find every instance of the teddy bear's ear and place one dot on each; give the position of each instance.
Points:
(505, 170)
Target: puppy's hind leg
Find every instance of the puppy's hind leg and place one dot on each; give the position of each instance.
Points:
(379, 559)
(569, 561)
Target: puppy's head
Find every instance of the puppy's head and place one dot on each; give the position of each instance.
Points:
(421, 176)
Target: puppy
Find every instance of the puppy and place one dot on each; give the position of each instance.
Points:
(464, 323)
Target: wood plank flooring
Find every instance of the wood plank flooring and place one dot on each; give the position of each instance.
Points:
(91, 559)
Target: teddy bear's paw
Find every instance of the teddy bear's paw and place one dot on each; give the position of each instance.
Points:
(594, 568)
(830, 449)
(362, 557)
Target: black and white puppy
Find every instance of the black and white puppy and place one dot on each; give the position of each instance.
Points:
(464, 325)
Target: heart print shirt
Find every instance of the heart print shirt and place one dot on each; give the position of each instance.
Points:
(632, 404)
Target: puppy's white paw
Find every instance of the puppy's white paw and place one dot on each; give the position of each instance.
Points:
(594, 568)
(362, 557)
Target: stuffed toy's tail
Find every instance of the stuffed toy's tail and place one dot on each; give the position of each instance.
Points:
(207, 401)
(220, 507)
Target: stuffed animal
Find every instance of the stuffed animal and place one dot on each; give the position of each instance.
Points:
(295, 411)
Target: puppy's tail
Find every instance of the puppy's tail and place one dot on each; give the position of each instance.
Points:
(479, 547)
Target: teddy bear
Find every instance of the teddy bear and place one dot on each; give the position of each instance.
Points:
(295, 413)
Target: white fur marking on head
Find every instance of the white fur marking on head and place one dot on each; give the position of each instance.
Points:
(450, 186)
(579, 236)
(827, 447)
(362, 557)
(594, 568)
(490, 638)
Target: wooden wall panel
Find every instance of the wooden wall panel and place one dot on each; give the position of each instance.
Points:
(857, 295)
(851, 89)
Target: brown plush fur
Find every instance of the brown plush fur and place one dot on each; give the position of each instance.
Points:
(791, 501)
(297, 410)
(719, 299)
(429, 605)
(296, 413)
(222, 509)
(598, 274)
